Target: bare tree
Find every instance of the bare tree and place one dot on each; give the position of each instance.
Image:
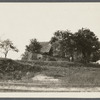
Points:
(6, 46)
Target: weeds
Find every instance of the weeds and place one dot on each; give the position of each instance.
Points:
(60, 63)
(10, 69)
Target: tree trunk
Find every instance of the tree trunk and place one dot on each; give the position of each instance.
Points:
(6, 54)
(86, 57)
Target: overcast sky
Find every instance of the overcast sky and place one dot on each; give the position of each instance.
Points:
(21, 22)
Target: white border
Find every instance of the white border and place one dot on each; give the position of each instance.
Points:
(51, 95)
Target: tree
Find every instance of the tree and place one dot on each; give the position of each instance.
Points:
(86, 43)
(67, 44)
(53, 39)
(65, 40)
(25, 55)
(83, 44)
(95, 56)
(6, 46)
(34, 46)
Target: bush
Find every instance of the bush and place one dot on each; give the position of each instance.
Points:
(60, 63)
(10, 69)
(51, 59)
(17, 75)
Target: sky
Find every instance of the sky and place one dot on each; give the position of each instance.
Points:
(21, 22)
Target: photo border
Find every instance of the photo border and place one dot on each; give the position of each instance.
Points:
(49, 95)
(49, 1)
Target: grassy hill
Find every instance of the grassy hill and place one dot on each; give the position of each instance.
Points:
(49, 74)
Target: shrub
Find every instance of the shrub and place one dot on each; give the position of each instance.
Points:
(11, 69)
(17, 75)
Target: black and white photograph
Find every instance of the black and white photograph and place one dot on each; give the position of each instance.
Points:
(49, 47)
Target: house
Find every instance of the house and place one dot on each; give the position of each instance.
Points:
(45, 51)
(52, 51)
(46, 48)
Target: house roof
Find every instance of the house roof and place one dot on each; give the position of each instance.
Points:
(46, 46)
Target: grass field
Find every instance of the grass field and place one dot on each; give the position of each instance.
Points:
(49, 76)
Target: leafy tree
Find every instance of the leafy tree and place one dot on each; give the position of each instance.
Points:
(95, 56)
(6, 46)
(53, 39)
(86, 43)
(25, 56)
(34, 46)
(67, 44)
(65, 39)
(83, 43)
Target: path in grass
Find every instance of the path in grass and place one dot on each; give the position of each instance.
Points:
(42, 83)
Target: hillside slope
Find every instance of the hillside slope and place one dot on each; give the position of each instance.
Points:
(48, 76)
